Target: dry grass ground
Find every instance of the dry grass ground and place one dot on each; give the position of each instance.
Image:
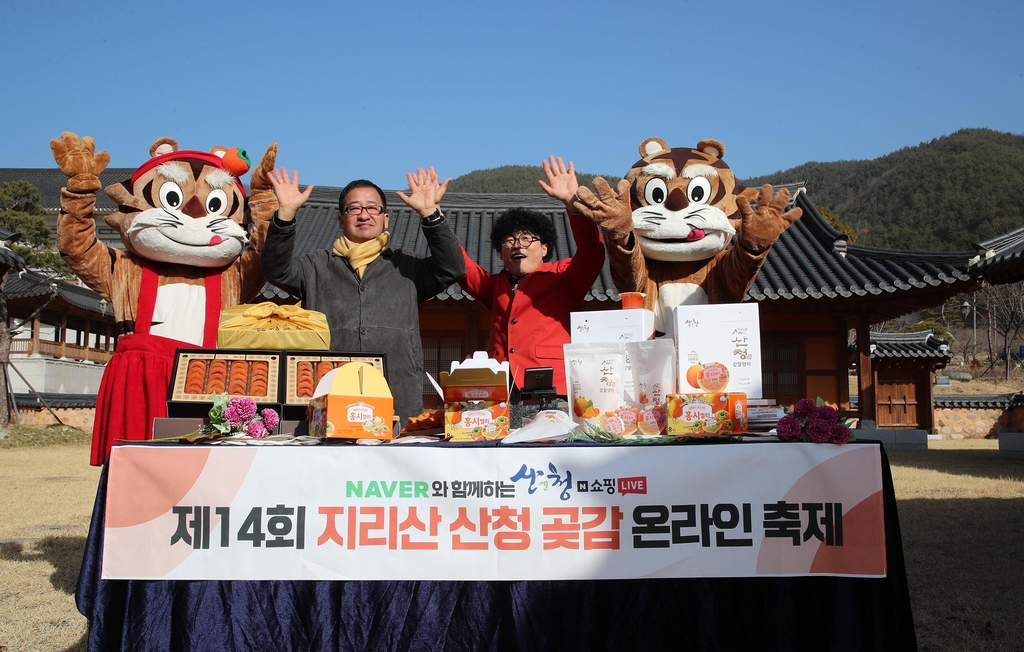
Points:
(47, 490)
(961, 510)
(962, 514)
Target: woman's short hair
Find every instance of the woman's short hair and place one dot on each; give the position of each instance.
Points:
(517, 220)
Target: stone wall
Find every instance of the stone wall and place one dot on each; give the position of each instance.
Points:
(977, 422)
(81, 418)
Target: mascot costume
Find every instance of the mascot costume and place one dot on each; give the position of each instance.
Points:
(188, 256)
(670, 222)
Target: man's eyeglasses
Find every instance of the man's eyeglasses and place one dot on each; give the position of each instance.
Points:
(524, 240)
(371, 210)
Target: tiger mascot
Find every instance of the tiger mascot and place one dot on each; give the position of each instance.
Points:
(182, 218)
(670, 221)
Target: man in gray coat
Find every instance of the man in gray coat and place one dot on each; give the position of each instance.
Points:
(369, 292)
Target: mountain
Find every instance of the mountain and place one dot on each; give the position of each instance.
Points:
(941, 195)
(513, 178)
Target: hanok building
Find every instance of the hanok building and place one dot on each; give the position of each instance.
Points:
(903, 367)
(812, 290)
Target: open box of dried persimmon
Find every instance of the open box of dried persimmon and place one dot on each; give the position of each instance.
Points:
(201, 373)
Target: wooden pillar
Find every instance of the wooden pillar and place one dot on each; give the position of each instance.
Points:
(63, 338)
(35, 336)
(843, 366)
(865, 375)
(85, 344)
(927, 415)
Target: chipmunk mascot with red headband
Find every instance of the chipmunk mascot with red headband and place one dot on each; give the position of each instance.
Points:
(182, 217)
(670, 222)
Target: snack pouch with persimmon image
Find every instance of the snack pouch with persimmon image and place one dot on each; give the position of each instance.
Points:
(595, 378)
(654, 378)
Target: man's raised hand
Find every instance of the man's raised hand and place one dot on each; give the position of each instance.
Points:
(289, 198)
(561, 183)
(425, 192)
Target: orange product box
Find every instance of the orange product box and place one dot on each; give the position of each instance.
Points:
(476, 399)
(352, 402)
(707, 415)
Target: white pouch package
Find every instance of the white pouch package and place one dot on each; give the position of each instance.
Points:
(595, 379)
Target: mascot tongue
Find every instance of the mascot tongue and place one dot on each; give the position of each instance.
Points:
(696, 234)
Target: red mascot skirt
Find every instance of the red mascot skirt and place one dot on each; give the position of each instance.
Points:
(133, 391)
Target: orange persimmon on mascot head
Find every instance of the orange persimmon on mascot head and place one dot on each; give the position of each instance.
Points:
(192, 243)
(670, 222)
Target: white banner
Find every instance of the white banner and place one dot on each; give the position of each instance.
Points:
(402, 512)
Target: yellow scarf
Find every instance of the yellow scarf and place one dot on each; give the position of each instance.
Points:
(361, 254)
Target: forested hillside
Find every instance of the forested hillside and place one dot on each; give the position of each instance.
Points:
(512, 178)
(941, 195)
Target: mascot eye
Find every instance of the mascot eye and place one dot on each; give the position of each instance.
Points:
(216, 202)
(655, 192)
(171, 195)
(699, 190)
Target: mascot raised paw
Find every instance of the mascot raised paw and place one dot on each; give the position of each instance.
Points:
(192, 248)
(670, 223)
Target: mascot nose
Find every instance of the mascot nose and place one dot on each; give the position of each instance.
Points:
(676, 200)
(216, 240)
(194, 208)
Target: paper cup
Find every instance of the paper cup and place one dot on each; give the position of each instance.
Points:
(631, 300)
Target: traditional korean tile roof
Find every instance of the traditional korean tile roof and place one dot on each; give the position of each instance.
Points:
(30, 284)
(922, 344)
(1003, 401)
(8, 258)
(49, 181)
(1001, 259)
(470, 216)
(811, 260)
(56, 401)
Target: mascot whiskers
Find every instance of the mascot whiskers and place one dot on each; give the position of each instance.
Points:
(670, 222)
(182, 217)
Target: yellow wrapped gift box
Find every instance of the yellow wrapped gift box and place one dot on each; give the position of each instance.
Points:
(270, 326)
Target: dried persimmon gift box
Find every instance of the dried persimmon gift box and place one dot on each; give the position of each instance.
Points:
(199, 374)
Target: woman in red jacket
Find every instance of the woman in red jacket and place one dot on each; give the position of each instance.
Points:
(530, 300)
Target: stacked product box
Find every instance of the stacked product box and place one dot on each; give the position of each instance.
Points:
(353, 401)
(475, 395)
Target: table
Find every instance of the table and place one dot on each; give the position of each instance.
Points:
(650, 614)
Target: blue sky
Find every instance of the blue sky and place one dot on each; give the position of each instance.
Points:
(375, 89)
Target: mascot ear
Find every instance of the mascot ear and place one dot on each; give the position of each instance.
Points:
(219, 150)
(163, 145)
(712, 148)
(652, 147)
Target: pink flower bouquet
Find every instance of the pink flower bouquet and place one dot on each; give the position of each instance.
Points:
(813, 421)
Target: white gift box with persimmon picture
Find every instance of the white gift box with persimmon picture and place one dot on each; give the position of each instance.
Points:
(719, 348)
